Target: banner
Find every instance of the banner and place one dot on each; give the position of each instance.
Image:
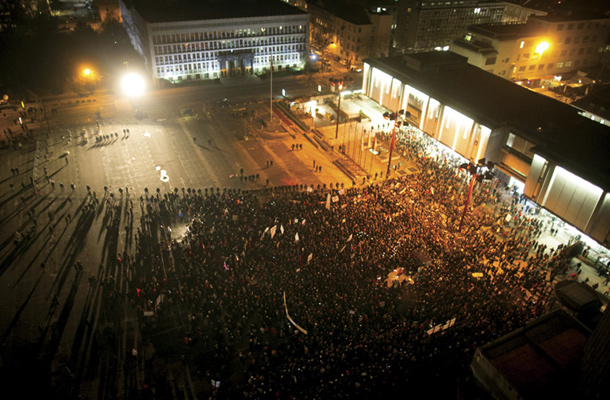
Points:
(273, 231)
(328, 201)
(296, 237)
(290, 319)
(309, 257)
(349, 239)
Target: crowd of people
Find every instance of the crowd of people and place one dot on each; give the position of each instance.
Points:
(286, 290)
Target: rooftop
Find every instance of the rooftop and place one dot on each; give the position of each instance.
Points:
(538, 358)
(190, 10)
(560, 133)
(571, 16)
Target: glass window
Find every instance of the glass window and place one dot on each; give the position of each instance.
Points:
(532, 67)
(540, 67)
(570, 27)
(522, 68)
(559, 65)
(568, 40)
(560, 27)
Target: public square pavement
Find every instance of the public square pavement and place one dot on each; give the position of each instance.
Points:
(49, 310)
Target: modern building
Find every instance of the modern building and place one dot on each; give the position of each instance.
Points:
(350, 31)
(433, 25)
(207, 40)
(545, 148)
(538, 50)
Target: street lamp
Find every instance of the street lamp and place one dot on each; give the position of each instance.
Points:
(481, 171)
(398, 118)
(339, 84)
(133, 85)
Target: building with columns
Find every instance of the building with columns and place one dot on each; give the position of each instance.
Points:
(208, 40)
(547, 149)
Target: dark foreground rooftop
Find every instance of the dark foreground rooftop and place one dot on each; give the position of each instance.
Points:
(191, 10)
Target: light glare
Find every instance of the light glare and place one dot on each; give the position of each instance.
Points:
(133, 85)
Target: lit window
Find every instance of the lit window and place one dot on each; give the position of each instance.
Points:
(522, 44)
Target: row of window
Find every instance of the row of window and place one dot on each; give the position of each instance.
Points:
(196, 47)
(212, 55)
(577, 39)
(179, 69)
(549, 66)
(534, 56)
(580, 25)
(211, 35)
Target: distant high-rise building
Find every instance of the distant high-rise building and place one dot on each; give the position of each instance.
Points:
(433, 25)
(208, 40)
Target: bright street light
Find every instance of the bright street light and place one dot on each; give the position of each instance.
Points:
(542, 47)
(133, 85)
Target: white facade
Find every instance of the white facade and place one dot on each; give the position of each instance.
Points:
(215, 48)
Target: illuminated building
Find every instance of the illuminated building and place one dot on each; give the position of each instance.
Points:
(544, 148)
(433, 25)
(544, 47)
(349, 31)
(200, 40)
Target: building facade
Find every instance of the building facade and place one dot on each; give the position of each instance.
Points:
(557, 158)
(205, 41)
(433, 25)
(540, 49)
(349, 31)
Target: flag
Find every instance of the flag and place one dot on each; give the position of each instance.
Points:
(224, 264)
(309, 257)
(282, 229)
(328, 201)
(335, 199)
(266, 230)
(303, 222)
(273, 231)
(349, 239)
(296, 237)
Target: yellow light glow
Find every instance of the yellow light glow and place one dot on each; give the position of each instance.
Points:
(133, 85)
(87, 72)
(542, 47)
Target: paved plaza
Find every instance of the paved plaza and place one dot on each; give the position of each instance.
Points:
(75, 200)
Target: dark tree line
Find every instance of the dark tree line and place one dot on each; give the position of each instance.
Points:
(40, 58)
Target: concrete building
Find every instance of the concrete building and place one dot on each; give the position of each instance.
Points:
(545, 148)
(433, 25)
(199, 40)
(541, 49)
(541, 360)
(349, 31)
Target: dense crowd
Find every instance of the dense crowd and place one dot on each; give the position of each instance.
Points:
(287, 294)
